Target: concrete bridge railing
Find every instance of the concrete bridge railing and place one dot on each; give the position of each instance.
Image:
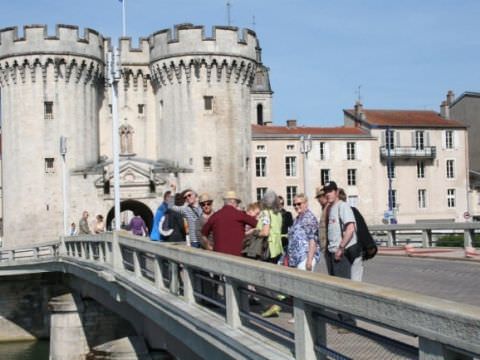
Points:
(426, 230)
(445, 330)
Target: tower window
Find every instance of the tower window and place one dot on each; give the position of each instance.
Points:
(48, 110)
(141, 109)
(259, 114)
(207, 163)
(208, 102)
(49, 165)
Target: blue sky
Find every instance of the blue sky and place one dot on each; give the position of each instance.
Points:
(404, 54)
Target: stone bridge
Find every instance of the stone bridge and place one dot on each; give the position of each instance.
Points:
(199, 304)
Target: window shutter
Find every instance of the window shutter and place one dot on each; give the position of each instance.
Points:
(358, 150)
(427, 138)
(345, 150)
(397, 138)
(383, 138)
(455, 140)
(444, 139)
(327, 151)
(413, 138)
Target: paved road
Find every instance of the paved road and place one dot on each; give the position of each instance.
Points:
(448, 279)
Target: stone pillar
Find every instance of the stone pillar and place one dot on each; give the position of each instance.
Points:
(67, 336)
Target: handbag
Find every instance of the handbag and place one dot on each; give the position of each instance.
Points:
(254, 246)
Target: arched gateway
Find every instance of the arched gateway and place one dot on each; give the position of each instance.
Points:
(137, 207)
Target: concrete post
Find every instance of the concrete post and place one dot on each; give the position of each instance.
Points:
(136, 264)
(67, 336)
(62, 250)
(188, 279)
(101, 252)
(117, 263)
(174, 283)
(232, 297)
(426, 238)
(468, 238)
(304, 332)
(157, 271)
(432, 350)
(391, 238)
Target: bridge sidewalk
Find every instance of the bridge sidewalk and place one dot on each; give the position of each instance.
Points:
(434, 252)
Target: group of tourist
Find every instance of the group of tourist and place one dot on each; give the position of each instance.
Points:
(299, 243)
(98, 225)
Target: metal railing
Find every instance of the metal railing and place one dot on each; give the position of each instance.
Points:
(435, 328)
(426, 231)
(428, 152)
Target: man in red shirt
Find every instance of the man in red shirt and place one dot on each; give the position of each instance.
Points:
(227, 226)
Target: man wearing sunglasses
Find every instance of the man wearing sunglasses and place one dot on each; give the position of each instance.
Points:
(206, 203)
(192, 211)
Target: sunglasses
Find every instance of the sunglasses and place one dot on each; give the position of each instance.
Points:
(188, 195)
(205, 203)
(297, 204)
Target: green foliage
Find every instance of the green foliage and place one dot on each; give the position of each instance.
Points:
(456, 241)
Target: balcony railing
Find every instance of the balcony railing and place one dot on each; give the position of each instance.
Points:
(427, 152)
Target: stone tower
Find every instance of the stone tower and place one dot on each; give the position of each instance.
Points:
(51, 86)
(202, 89)
(185, 106)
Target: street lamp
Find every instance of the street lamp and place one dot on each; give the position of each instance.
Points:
(305, 148)
(113, 74)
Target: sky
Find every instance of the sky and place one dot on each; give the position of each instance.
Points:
(400, 54)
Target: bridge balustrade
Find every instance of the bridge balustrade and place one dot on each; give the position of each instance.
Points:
(426, 232)
(439, 329)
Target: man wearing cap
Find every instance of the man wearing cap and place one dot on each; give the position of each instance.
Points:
(227, 226)
(343, 259)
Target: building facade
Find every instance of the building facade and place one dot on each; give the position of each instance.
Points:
(410, 166)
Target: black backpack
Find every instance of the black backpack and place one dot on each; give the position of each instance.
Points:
(364, 238)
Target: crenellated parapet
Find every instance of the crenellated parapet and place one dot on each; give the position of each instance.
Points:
(197, 68)
(69, 56)
(187, 39)
(66, 41)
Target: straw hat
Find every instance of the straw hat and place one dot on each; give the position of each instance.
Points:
(231, 195)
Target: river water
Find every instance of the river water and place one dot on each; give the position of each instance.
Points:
(34, 350)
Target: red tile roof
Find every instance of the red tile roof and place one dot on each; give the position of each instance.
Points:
(406, 118)
(302, 130)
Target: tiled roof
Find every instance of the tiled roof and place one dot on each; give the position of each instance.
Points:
(406, 118)
(303, 130)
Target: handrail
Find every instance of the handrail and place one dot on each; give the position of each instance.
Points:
(426, 229)
(438, 323)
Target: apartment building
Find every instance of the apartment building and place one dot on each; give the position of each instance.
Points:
(407, 165)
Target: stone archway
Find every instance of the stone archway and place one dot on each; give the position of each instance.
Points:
(137, 207)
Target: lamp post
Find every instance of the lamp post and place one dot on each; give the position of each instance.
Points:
(113, 74)
(63, 154)
(305, 148)
(389, 143)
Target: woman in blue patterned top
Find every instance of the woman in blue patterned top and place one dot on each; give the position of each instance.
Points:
(303, 242)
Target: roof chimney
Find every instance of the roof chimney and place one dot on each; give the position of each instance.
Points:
(291, 123)
(445, 109)
(359, 114)
(450, 97)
